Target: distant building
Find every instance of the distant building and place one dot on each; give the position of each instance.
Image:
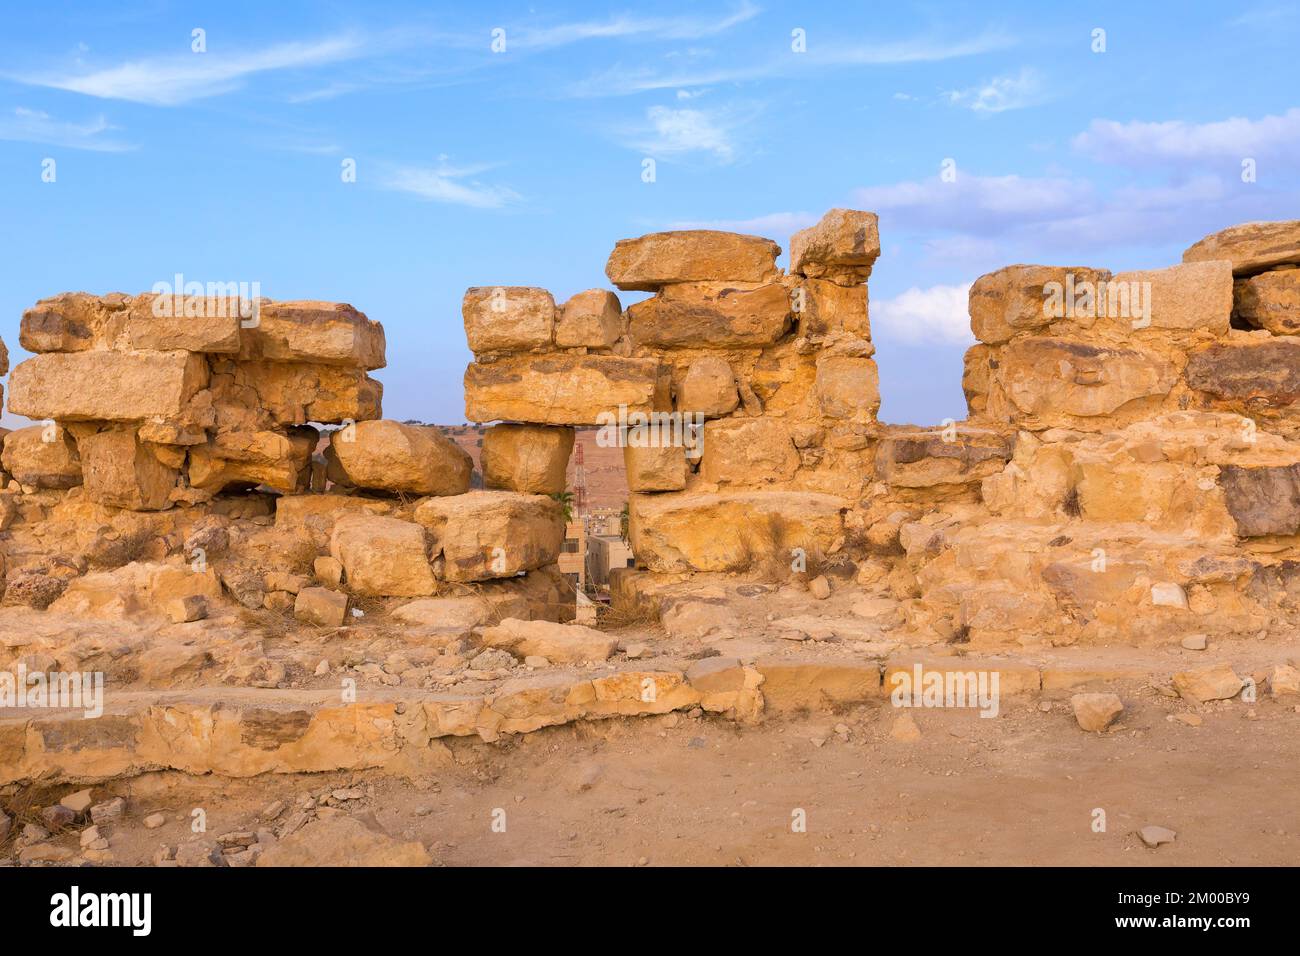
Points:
(605, 552)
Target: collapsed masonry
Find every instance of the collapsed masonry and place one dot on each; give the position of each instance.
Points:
(1128, 470)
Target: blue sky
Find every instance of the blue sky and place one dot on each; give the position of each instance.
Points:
(523, 166)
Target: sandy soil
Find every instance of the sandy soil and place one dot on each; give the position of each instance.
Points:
(674, 790)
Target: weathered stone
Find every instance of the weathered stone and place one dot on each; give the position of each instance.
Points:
(1057, 380)
(40, 463)
(1021, 298)
(108, 386)
(321, 606)
(662, 468)
(1249, 369)
(532, 459)
(1196, 295)
(1215, 682)
(592, 319)
(732, 531)
(1263, 500)
(1096, 712)
(824, 307)
(1157, 836)
(843, 246)
(508, 318)
(1270, 300)
(184, 610)
(847, 388)
(73, 322)
(492, 534)
(319, 333)
(558, 643)
(1284, 680)
(708, 388)
(343, 841)
(383, 556)
(748, 451)
(123, 472)
(258, 395)
(709, 315)
(561, 389)
(390, 456)
(931, 458)
(210, 325)
(1251, 247)
(279, 461)
(697, 255)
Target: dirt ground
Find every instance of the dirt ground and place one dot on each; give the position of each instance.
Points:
(1022, 788)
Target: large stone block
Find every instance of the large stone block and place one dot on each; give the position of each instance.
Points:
(123, 472)
(391, 456)
(72, 322)
(162, 323)
(708, 388)
(492, 534)
(561, 389)
(1055, 380)
(711, 315)
(847, 388)
(508, 318)
(249, 396)
(1196, 295)
(592, 319)
(383, 557)
(106, 386)
(1020, 298)
(278, 460)
(532, 459)
(824, 307)
(662, 468)
(323, 333)
(748, 451)
(42, 456)
(842, 247)
(1247, 368)
(930, 458)
(1263, 500)
(1270, 300)
(696, 255)
(1251, 247)
(734, 531)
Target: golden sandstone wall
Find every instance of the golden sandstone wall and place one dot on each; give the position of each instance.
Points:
(1127, 469)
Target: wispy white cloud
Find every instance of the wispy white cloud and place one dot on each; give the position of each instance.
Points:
(937, 315)
(1002, 93)
(448, 184)
(33, 126)
(620, 80)
(1141, 143)
(172, 80)
(629, 27)
(669, 133)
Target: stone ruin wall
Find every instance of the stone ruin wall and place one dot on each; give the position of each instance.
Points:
(1118, 477)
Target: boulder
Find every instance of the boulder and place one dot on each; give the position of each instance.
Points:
(1214, 682)
(270, 458)
(661, 468)
(390, 456)
(259, 395)
(842, 247)
(592, 319)
(562, 389)
(491, 534)
(1245, 369)
(1270, 300)
(824, 307)
(508, 319)
(708, 388)
(558, 643)
(695, 255)
(1018, 298)
(123, 472)
(1096, 712)
(1251, 247)
(72, 322)
(1262, 500)
(317, 333)
(532, 459)
(211, 327)
(383, 556)
(847, 388)
(348, 840)
(1196, 295)
(40, 463)
(321, 606)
